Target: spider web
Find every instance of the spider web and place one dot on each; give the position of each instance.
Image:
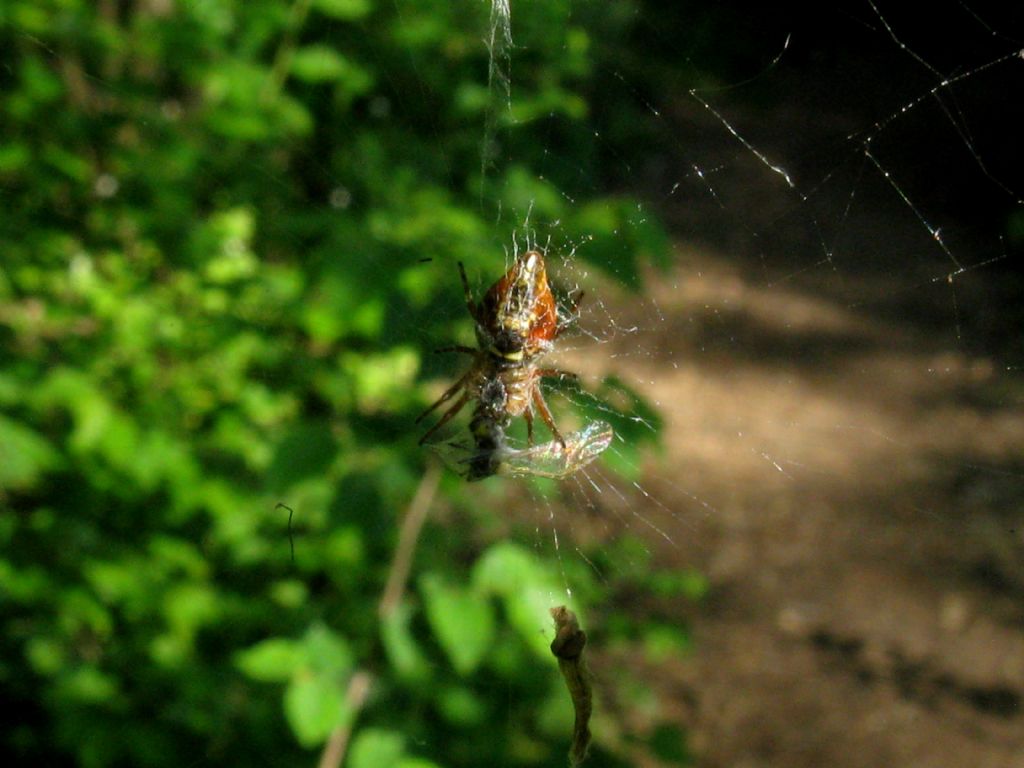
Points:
(833, 340)
(824, 377)
(834, 352)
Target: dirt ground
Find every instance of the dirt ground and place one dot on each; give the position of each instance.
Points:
(845, 464)
(863, 532)
(845, 439)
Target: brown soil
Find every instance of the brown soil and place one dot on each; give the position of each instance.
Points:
(863, 535)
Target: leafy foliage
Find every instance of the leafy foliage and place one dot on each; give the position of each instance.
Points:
(214, 297)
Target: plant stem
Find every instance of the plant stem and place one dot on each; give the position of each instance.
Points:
(408, 538)
(355, 697)
(398, 576)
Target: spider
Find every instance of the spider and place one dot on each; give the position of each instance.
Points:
(516, 322)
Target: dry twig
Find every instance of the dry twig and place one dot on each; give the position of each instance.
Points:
(568, 647)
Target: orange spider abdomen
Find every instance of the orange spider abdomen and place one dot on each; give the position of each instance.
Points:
(519, 310)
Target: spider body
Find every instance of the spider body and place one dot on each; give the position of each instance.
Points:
(518, 317)
(516, 323)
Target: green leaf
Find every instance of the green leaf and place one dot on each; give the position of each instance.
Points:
(636, 423)
(663, 642)
(76, 168)
(26, 585)
(10, 386)
(327, 652)
(272, 660)
(187, 607)
(506, 566)
(416, 762)
(400, 646)
(620, 235)
(13, 158)
(305, 451)
(314, 705)
(670, 744)
(45, 655)
(317, 63)
(376, 748)
(88, 685)
(461, 706)
(527, 589)
(24, 455)
(690, 584)
(554, 715)
(381, 380)
(289, 593)
(524, 193)
(345, 10)
(462, 621)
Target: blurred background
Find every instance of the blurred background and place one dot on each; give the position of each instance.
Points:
(228, 243)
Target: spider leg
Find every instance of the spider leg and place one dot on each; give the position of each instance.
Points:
(457, 348)
(470, 304)
(448, 416)
(528, 415)
(448, 395)
(574, 301)
(555, 373)
(545, 413)
(573, 314)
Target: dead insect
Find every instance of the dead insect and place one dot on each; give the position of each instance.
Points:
(552, 459)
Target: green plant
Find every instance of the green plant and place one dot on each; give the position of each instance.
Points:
(214, 297)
